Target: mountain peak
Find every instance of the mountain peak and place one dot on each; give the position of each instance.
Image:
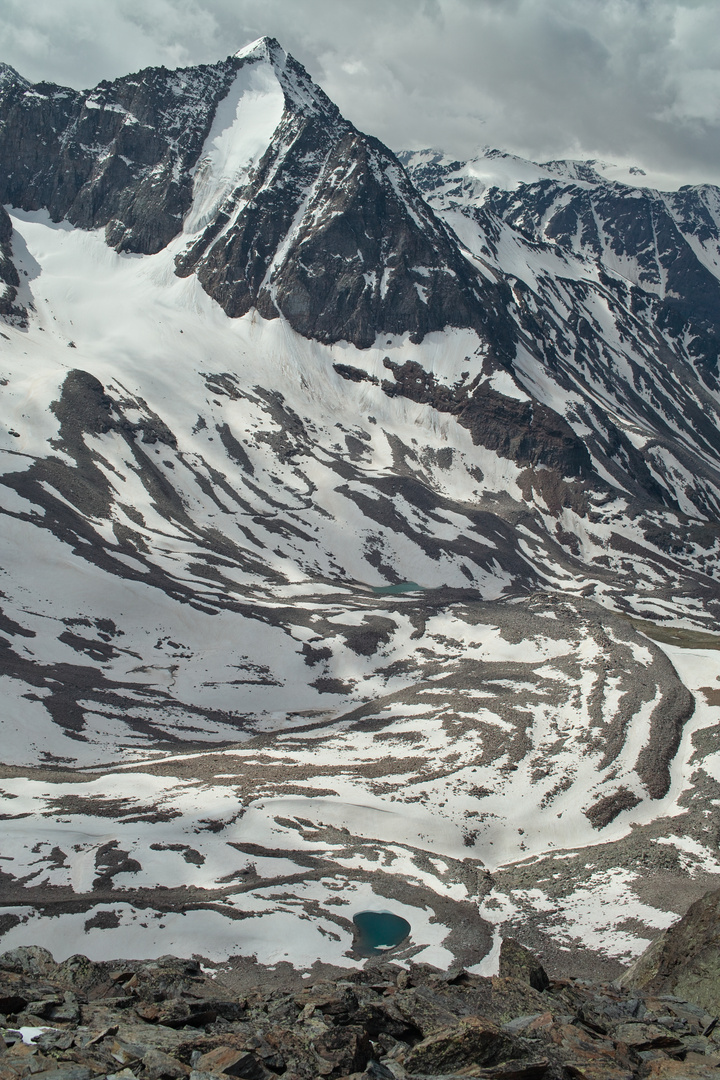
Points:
(263, 48)
(8, 75)
(298, 87)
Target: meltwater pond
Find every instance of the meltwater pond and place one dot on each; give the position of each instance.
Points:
(380, 930)
(395, 590)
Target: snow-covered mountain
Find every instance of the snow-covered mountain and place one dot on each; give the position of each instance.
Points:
(284, 206)
(340, 494)
(617, 295)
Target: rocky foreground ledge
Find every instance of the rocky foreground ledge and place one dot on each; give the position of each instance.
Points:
(169, 1018)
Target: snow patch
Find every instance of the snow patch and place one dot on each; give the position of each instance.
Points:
(244, 124)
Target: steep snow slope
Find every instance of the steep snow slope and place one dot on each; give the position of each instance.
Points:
(242, 128)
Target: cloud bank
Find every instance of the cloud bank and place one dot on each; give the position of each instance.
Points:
(624, 80)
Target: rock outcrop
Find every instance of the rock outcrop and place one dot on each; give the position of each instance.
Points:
(168, 1018)
(518, 428)
(9, 277)
(517, 962)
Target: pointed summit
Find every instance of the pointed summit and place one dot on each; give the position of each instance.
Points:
(299, 89)
(10, 77)
(263, 48)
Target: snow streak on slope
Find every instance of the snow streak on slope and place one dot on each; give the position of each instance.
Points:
(189, 474)
(242, 128)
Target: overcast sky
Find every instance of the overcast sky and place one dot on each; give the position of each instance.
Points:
(628, 81)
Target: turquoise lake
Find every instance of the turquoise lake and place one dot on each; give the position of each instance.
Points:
(380, 930)
(394, 590)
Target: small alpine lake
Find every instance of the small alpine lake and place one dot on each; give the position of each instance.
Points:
(380, 930)
(395, 590)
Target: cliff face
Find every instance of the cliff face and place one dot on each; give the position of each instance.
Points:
(514, 427)
(117, 157)
(9, 277)
(332, 235)
(685, 959)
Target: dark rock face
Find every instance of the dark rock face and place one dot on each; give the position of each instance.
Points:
(472, 1039)
(522, 430)
(8, 274)
(332, 235)
(118, 156)
(517, 962)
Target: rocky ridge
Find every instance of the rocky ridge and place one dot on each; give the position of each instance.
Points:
(615, 291)
(9, 277)
(172, 1018)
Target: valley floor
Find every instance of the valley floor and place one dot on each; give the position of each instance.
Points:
(265, 850)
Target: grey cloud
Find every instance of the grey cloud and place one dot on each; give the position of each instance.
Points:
(625, 80)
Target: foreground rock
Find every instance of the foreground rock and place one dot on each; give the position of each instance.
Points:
(168, 1019)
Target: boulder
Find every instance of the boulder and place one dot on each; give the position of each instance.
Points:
(28, 960)
(685, 960)
(514, 997)
(517, 962)
(472, 1041)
